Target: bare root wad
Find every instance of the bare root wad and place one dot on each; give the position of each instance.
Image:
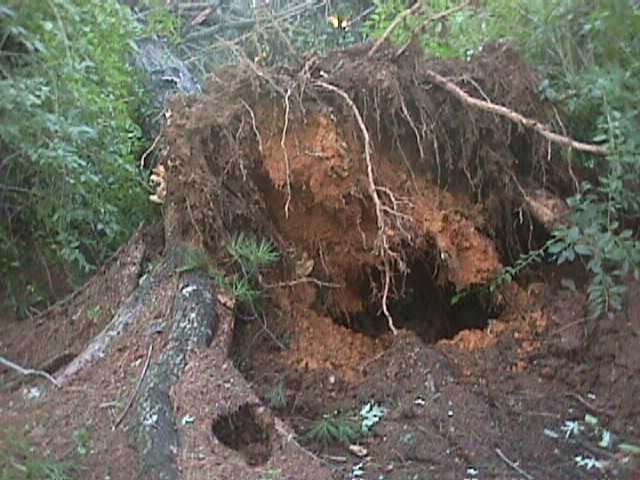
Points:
(361, 169)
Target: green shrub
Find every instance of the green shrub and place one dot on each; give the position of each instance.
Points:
(457, 35)
(278, 396)
(591, 52)
(161, 21)
(69, 130)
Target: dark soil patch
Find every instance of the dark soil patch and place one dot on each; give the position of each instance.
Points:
(243, 432)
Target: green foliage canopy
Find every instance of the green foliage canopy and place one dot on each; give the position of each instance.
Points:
(69, 130)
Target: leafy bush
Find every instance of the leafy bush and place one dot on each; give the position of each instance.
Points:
(161, 21)
(457, 35)
(69, 130)
(589, 52)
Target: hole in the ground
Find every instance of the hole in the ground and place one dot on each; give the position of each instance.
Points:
(426, 308)
(248, 431)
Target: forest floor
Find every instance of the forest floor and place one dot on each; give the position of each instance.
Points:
(520, 383)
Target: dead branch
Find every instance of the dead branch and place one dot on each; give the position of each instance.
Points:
(513, 116)
(590, 405)
(430, 21)
(148, 151)
(276, 25)
(135, 390)
(28, 371)
(298, 281)
(513, 465)
(410, 11)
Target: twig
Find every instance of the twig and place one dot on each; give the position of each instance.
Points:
(513, 465)
(567, 326)
(287, 42)
(149, 150)
(410, 11)
(298, 281)
(513, 116)
(271, 334)
(430, 21)
(569, 157)
(135, 391)
(590, 405)
(28, 371)
(377, 356)
(195, 5)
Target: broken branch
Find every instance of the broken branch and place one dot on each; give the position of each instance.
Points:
(513, 116)
(410, 11)
(513, 465)
(430, 21)
(28, 371)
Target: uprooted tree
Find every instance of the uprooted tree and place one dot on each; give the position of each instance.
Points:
(379, 177)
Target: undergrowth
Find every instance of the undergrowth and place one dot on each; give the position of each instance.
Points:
(18, 460)
(249, 257)
(330, 429)
(69, 132)
(589, 53)
(345, 427)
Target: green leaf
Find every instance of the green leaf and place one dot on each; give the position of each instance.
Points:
(556, 247)
(583, 249)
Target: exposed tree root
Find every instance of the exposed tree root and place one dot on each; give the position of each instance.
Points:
(383, 247)
(513, 116)
(421, 200)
